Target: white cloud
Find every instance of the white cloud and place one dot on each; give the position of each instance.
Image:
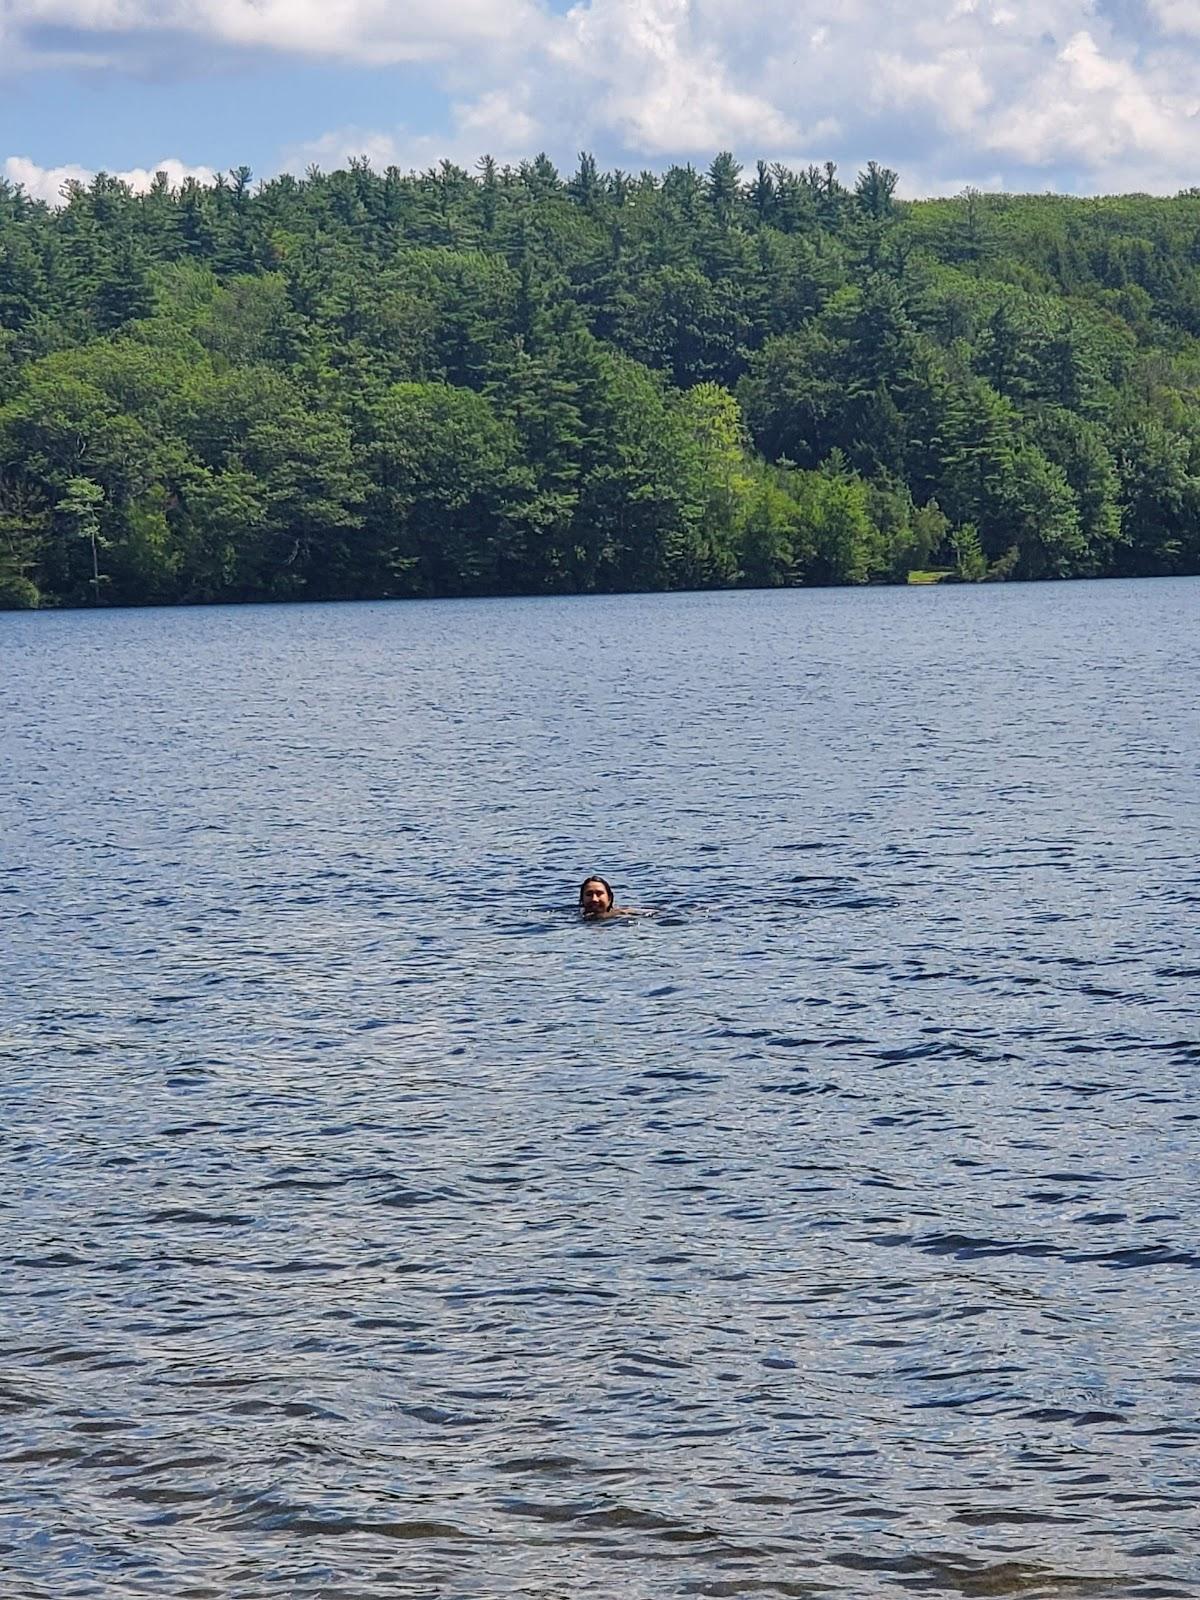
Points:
(496, 124)
(1096, 109)
(47, 183)
(1021, 92)
(922, 183)
(43, 183)
(339, 146)
(378, 32)
(1177, 16)
(661, 76)
(953, 83)
(942, 86)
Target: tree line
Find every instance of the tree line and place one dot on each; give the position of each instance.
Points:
(363, 384)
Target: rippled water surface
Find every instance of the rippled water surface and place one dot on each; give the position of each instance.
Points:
(372, 1227)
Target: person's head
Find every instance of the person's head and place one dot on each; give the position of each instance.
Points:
(595, 897)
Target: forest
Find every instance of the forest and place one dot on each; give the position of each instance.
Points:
(517, 381)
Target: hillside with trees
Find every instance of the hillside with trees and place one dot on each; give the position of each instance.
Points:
(366, 384)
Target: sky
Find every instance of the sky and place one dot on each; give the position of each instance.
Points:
(1074, 96)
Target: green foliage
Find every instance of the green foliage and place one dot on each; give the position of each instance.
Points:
(386, 384)
(446, 482)
(18, 593)
(970, 563)
(79, 512)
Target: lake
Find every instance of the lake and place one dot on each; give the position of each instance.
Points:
(373, 1227)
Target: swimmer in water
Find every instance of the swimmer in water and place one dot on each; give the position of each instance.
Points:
(596, 900)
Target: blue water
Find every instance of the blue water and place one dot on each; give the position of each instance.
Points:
(372, 1227)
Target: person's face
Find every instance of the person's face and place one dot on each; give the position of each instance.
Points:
(594, 898)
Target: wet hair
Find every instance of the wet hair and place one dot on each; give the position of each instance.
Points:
(594, 877)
